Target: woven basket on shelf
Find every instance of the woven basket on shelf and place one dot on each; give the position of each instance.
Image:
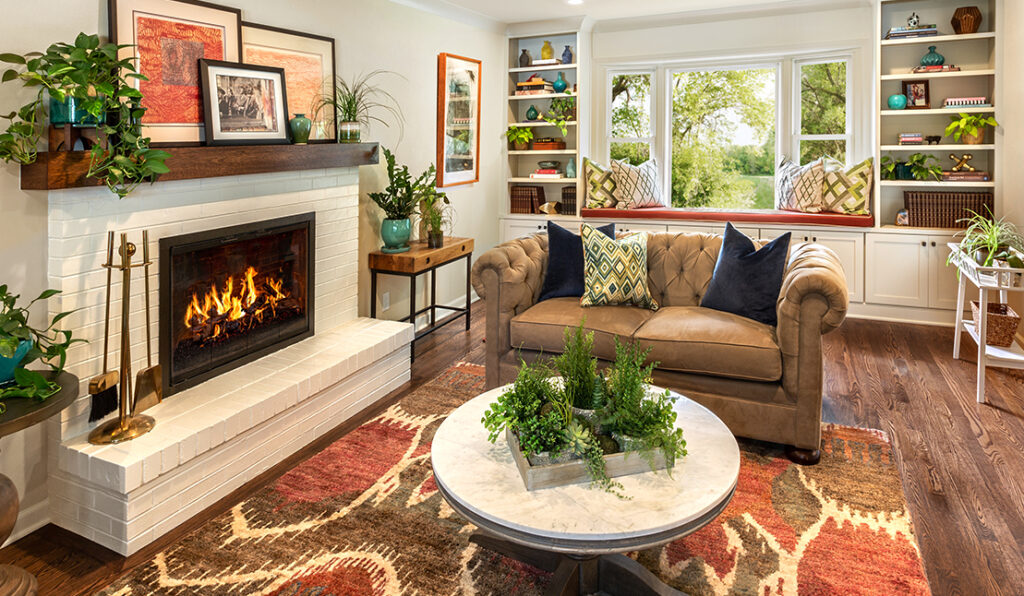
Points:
(944, 209)
(1001, 326)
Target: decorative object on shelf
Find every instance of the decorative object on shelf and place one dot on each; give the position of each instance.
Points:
(435, 211)
(520, 137)
(918, 94)
(902, 219)
(355, 104)
(244, 104)
(966, 19)
(560, 83)
(933, 58)
(532, 113)
(548, 144)
(567, 56)
(309, 72)
(913, 20)
(897, 101)
(525, 59)
(924, 166)
(988, 240)
(169, 37)
(966, 102)
(933, 139)
(570, 168)
(549, 164)
(928, 209)
(550, 208)
(398, 201)
(526, 199)
(961, 162)
(126, 426)
(21, 344)
(300, 127)
(969, 128)
(909, 32)
(546, 51)
(458, 120)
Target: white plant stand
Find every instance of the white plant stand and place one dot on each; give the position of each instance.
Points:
(987, 279)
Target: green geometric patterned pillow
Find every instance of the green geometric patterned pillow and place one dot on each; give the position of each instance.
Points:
(847, 192)
(615, 271)
(600, 185)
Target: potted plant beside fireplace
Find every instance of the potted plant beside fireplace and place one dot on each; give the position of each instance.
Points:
(435, 212)
(398, 201)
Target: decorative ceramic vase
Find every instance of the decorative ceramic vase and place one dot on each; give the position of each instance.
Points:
(546, 51)
(348, 132)
(897, 101)
(524, 59)
(300, 127)
(395, 233)
(532, 113)
(570, 168)
(435, 239)
(560, 84)
(7, 365)
(567, 55)
(933, 58)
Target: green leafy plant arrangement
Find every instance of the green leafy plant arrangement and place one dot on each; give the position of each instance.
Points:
(519, 135)
(924, 166)
(359, 100)
(562, 111)
(435, 208)
(578, 368)
(987, 239)
(888, 167)
(403, 192)
(49, 345)
(100, 82)
(968, 124)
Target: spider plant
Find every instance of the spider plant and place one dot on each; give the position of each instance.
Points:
(988, 239)
(359, 102)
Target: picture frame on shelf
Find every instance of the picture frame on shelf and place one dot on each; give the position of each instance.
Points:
(458, 120)
(244, 104)
(309, 67)
(918, 94)
(168, 38)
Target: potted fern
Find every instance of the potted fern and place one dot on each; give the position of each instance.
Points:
(356, 103)
(969, 128)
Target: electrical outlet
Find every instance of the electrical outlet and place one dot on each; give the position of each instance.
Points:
(385, 301)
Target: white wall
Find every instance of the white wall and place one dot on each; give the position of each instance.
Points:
(370, 35)
(1011, 117)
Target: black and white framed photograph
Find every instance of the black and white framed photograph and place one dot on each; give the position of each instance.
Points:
(244, 104)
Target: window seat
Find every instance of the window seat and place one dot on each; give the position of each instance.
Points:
(765, 216)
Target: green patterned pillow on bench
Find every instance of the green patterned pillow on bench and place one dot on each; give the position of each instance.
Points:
(847, 191)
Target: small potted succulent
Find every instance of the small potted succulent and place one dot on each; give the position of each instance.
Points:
(398, 201)
(520, 137)
(435, 211)
(969, 128)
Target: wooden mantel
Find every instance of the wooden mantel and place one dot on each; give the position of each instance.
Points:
(61, 169)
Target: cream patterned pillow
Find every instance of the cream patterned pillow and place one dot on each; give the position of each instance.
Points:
(798, 188)
(636, 186)
(847, 191)
(615, 271)
(600, 185)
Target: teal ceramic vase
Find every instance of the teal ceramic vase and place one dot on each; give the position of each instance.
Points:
(532, 113)
(395, 233)
(897, 101)
(7, 365)
(570, 168)
(933, 58)
(300, 126)
(560, 84)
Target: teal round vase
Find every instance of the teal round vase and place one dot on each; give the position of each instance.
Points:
(395, 233)
(933, 58)
(532, 113)
(301, 127)
(897, 101)
(7, 365)
(560, 85)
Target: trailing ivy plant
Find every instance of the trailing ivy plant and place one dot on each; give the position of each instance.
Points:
(924, 166)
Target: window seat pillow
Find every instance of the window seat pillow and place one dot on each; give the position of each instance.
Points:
(764, 216)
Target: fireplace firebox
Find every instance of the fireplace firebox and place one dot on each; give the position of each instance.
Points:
(232, 295)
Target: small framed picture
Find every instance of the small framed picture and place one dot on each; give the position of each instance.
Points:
(244, 104)
(918, 96)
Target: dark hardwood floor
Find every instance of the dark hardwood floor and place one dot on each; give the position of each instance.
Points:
(962, 463)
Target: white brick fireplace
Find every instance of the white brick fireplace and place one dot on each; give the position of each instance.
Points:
(212, 438)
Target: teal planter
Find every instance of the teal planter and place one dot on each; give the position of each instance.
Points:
(903, 172)
(68, 112)
(933, 58)
(7, 365)
(395, 233)
(300, 126)
(897, 101)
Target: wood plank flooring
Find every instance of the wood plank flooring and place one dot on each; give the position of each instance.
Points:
(962, 463)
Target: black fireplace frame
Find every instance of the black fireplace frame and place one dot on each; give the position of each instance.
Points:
(220, 237)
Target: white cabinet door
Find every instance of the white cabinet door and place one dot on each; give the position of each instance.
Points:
(849, 247)
(896, 270)
(942, 279)
(517, 228)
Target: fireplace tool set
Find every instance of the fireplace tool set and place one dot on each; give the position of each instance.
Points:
(109, 385)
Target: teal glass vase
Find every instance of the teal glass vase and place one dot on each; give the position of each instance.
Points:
(897, 101)
(300, 127)
(560, 84)
(933, 58)
(8, 365)
(532, 113)
(395, 233)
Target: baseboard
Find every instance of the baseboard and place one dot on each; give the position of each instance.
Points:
(30, 519)
(902, 314)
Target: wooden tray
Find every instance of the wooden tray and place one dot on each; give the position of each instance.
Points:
(548, 146)
(575, 472)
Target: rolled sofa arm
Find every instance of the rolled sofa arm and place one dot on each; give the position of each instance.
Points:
(814, 270)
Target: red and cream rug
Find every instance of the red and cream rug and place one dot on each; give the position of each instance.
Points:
(363, 517)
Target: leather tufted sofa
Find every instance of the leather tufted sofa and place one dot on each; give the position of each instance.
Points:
(764, 382)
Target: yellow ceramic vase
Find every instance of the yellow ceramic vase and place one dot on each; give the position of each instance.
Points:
(546, 51)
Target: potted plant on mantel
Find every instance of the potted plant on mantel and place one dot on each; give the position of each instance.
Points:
(435, 211)
(969, 127)
(91, 74)
(399, 201)
(354, 105)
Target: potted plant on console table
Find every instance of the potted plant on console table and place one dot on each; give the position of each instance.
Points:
(399, 201)
(435, 211)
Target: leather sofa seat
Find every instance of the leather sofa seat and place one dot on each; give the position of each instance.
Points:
(699, 340)
(542, 326)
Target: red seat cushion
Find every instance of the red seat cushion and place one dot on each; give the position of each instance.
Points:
(766, 216)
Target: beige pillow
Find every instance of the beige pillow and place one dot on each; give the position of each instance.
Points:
(798, 188)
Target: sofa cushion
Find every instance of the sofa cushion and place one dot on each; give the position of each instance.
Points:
(747, 280)
(542, 326)
(615, 270)
(699, 340)
(637, 186)
(798, 188)
(600, 185)
(564, 276)
(847, 191)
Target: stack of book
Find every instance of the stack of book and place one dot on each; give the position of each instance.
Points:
(911, 138)
(963, 176)
(534, 86)
(918, 31)
(551, 173)
(966, 102)
(938, 68)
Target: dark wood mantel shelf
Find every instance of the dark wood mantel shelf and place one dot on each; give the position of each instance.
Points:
(57, 169)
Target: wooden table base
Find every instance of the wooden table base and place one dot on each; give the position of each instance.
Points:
(582, 575)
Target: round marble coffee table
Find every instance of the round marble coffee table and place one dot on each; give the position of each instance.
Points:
(575, 531)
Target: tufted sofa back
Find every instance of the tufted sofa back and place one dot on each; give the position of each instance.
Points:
(679, 266)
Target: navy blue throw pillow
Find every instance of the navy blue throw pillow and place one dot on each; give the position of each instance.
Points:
(746, 281)
(565, 262)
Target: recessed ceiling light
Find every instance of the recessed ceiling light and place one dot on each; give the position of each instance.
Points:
(575, 1)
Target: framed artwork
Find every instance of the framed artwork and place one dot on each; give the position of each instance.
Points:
(458, 120)
(308, 63)
(918, 95)
(169, 37)
(244, 104)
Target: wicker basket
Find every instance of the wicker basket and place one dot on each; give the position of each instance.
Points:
(944, 209)
(526, 199)
(1001, 326)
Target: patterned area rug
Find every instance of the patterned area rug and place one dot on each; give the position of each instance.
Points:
(364, 517)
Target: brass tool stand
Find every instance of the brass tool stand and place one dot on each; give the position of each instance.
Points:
(126, 426)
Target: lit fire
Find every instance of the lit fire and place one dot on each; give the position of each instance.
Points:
(247, 304)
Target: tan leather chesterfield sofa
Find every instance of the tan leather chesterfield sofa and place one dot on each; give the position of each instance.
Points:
(764, 382)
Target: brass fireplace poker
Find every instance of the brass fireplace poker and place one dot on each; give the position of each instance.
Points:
(126, 426)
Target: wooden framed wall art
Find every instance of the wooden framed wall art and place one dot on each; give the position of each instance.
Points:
(458, 120)
(169, 37)
(309, 71)
(244, 104)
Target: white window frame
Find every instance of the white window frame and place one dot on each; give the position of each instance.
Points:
(653, 115)
(795, 135)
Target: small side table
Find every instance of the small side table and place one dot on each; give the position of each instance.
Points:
(21, 414)
(417, 260)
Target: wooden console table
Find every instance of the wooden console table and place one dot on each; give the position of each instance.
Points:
(417, 260)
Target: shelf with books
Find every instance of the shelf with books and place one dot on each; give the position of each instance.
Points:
(938, 39)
